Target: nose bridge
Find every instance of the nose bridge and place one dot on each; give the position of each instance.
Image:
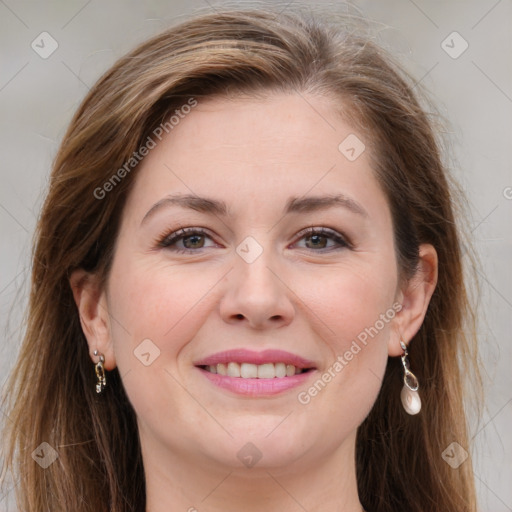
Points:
(257, 281)
(256, 293)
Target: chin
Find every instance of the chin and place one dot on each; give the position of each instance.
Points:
(265, 443)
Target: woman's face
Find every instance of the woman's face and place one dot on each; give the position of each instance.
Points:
(287, 259)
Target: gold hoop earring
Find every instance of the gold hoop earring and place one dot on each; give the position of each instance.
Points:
(101, 381)
(410, 397)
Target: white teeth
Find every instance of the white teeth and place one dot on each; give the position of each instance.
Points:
(266, 371)
(253, 371)
(233, 370)
(280, 370)
(248, 371)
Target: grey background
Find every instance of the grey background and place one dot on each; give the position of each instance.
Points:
(473, 91)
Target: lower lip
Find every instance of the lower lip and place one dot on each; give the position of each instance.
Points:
(257, 387)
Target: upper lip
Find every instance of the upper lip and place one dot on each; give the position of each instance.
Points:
(249, 356)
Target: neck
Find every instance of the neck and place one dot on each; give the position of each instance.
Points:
(182, 483)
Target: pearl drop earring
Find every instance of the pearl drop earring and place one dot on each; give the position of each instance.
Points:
(410, 397)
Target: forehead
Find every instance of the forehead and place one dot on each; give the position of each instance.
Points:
(257, 152)
(257, 129)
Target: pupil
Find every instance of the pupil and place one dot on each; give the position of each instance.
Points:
(315, 239)
(194, 243)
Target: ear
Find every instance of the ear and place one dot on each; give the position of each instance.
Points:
(91, 301)
(415, 297)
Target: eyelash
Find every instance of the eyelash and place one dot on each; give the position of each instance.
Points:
(167, 240)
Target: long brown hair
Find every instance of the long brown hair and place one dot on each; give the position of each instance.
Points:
(51, 396)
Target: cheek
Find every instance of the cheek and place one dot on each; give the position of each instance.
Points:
(151, 304)
(349, 300)
(155, 313)
(354, 306)
(347, 387)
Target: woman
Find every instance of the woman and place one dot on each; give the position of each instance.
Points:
(247, 291)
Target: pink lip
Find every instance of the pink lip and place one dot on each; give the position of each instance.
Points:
(257, 387)
(247, 356)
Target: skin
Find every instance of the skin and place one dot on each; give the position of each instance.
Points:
(309, 296)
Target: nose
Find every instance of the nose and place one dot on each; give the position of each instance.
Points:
(257, 294)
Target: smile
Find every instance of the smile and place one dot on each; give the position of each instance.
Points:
(256, 374)
(253, 371)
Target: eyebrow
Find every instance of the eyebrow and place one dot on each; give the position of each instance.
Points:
(293, 205)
